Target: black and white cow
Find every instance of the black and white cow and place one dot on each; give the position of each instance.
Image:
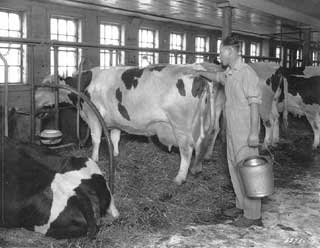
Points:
(166, 101)
(162, 100)
(61, 197)
(303, 99)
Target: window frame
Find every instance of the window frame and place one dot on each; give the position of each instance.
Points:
(78, 37)
(176, 55)
(22, 48)
(206, 48)
(153, 55)
(257, 50)
(120, 55)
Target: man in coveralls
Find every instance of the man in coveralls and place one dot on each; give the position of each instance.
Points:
(243, 96)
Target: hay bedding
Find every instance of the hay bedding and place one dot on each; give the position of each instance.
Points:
(150, 204)
(157, 213)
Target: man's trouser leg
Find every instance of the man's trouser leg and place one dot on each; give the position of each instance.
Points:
(251, 206)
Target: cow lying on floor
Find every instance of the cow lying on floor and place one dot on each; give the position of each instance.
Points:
(61, 197)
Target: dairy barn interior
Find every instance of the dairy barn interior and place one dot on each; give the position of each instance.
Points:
(44, 43)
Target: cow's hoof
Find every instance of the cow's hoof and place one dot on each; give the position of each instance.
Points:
(196, 170)
(95, 158)
(92, 232)
(115, 154)
(179, 181)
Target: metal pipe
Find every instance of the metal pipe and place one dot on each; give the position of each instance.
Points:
(78, 100)
(102, 123)
(6, 91)
(121, 48)
(92, 45)
(32, 100)
(56, 82)
(5, 103)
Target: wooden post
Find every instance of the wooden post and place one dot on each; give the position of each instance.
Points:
(306, 52)
(227, 21)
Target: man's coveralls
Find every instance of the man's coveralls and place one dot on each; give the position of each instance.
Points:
(241, 89)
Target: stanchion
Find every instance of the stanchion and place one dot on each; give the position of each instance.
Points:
(111, 168)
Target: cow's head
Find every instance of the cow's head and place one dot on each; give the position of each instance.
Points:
(45, 96)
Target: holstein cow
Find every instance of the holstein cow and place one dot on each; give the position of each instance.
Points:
(303, 99)
(61, 197)
(163, 100)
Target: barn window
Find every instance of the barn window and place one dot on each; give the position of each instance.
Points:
(242, 48)
(299, 58)
(148, 38)
(219, 41)
(111, 34)
(177, 42)
(254, 50)
(288, 58)
(278, 52)
(11, 25)
(65, 29)
(201, 45)
(315, 58)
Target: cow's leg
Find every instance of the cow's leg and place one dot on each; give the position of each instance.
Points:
(87, 211)
(185, 154)
(115, 138)
(212, 141)
(268, 133)
(201, 150)
(316, 135)
(275, 132)
(96, 131)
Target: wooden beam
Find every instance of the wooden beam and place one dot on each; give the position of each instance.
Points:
(227, 21)
(278, 10)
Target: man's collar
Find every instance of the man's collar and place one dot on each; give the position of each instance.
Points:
(237, 65)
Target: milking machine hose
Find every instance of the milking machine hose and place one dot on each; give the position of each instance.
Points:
(102, 123)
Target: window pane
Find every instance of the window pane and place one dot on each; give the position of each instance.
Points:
(4, 23)
(10, 26)
(64, 29)
(110, 35)
(14, 22)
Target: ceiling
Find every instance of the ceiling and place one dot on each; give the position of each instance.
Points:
(257, 17)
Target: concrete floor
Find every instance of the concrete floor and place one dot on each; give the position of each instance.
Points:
(291, 216)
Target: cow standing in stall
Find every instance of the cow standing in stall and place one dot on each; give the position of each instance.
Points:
(164, 100)
(303, 99)
(161, 100)
(61, 197)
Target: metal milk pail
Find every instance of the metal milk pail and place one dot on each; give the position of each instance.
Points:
(256, 173)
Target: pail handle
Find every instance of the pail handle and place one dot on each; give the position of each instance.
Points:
(259, 145)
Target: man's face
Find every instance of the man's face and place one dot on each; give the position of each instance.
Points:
(226, 55)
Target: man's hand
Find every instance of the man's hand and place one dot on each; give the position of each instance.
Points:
(253, 140)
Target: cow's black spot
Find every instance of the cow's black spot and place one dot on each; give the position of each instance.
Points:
(123, 111)
(268, 123)
(157, 68)
(85, 80)
(130, 77)
(198, 86)
(119, 95)
(97, 185)
(268, 81)
(180, 86)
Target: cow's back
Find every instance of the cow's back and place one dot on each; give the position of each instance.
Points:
(145, 101)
